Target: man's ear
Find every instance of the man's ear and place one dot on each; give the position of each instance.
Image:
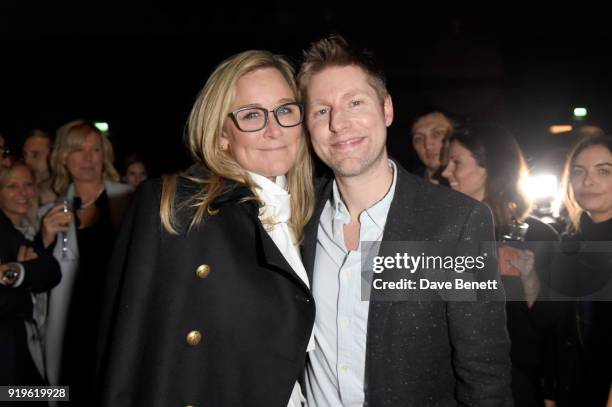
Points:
(388, 110)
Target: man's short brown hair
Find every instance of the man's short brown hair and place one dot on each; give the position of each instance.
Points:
(335, 51)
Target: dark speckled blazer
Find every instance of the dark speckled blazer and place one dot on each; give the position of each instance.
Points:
(432, 353)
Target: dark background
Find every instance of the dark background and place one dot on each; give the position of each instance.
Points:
(139, 65)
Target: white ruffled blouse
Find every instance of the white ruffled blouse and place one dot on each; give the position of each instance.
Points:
(275, 215)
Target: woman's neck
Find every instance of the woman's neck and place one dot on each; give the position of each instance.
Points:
(88, 190)
(600, 217)
(15, 218)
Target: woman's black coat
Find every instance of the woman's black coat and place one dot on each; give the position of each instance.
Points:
(224, 280)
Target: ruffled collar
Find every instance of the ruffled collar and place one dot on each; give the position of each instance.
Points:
(276, 199)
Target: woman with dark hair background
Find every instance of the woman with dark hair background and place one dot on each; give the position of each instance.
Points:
(135, 170)
(486, 163)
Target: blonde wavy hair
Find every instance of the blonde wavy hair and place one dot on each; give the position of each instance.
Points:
(69, 137)
(205, 125)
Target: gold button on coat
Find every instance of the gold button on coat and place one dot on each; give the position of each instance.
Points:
(194, 338)
(203, 271)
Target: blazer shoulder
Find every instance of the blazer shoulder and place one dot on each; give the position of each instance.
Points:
(434, 197)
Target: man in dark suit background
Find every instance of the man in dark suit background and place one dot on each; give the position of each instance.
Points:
(371, 353)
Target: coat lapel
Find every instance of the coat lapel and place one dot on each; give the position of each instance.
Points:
(271, 255)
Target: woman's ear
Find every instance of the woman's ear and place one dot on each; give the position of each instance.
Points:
(224, 142)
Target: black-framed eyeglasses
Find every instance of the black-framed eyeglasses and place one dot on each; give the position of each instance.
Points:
(256, 118)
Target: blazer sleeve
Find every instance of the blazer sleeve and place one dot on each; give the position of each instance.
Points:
(478, 334)
(127, 295)
(41, 274)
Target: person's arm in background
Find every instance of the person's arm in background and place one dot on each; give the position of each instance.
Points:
(32, 272)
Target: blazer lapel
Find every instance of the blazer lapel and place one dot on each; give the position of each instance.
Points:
(398, 227)
(309, 245)
(401, 217)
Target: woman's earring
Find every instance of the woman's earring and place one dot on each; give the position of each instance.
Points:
(223, 147)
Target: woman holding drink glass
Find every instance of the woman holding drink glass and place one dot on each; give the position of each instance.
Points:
(80, 230)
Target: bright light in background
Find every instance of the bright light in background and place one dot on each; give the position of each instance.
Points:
(102, 126)
(560, 128)
(580, 112)
(541, 186)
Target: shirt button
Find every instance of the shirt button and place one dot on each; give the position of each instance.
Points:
(344, 322)
(344, 367)
(348, 274)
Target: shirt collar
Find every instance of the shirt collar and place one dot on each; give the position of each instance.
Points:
(377, 212)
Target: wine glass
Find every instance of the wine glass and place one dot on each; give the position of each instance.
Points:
(67, 206)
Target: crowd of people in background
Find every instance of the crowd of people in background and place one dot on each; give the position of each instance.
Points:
(62, 204)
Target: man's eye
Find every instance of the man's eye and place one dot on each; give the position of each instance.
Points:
(355, 103)
(320, 112)
(604, 171)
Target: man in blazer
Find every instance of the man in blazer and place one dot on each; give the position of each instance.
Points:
(377, 353)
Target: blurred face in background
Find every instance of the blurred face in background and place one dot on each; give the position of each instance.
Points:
(463, 172)
(17, 191)
(591, 182)
(428, 136)
(85, 163)
(5, 157)
(135, 173)
(36, 152)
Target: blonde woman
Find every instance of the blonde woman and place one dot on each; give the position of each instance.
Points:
(82, 161)
(211, 304)
(26, 273)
